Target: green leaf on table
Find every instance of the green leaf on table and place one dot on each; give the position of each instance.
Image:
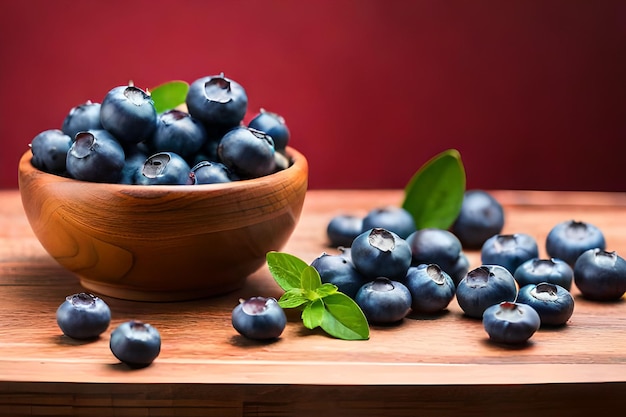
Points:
(310, 279)
(313, 314)
(169, 95)
(286, 269)
(434, 194)
(343, 318)
(326, 289)
(293, 298)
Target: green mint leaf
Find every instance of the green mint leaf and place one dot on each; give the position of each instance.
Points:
(169, 95)
(343, 318)
(293, 298)
(286, 269)
(434, 194)
(310, 279)
(326, 289)
(313, 314)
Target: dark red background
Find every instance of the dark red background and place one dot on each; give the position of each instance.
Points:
(531, 92)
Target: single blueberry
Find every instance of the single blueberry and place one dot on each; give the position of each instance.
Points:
(247, 152)
(600, 275)
(178, 132)
(431, 288)
(135, 343)
(129, 114)
(133, 164)
(164, 168)
(483, 287)
(553, 303)
(259, 318)
(83, 316)
(569, 239)
(384, 301)
(83, 117)
(95, 156)
(535, 270)
(217, 101)
(481, 216)
(394, 219)
(340, 271)
(510, 322)
(435, 246)
(274, 125)
(207, 172)
(343, 229)
(50, 149)
(509, 250)
(381, 253)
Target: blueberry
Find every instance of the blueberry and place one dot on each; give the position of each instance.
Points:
(133, 164)
(384, 301)
(536, 270)
(461, 267)
(247, 152)
(483, 287)
(217, 100)
(178, 132)
(207, 172)
(274, 125)
(83, 117)
(568, 240)
(343, 229)
(600, 275)
(129, 114)
(164, 168)
(509, 250)
(96, 156)
(430, 287)
(481, 217)
(259, 318)
(553, 303)
(340, 271)
(381, 253)
(510, 323)
(437, 246)
(83, 316)
(135, 343)
(394, 219)
(50, 149)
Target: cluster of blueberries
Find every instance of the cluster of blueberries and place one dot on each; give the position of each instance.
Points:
(390, 269)
(84, 316)
(124, 140)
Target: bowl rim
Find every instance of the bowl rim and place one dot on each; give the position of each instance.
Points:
(299, 164)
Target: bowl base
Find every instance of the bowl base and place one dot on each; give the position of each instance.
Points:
(131, 294)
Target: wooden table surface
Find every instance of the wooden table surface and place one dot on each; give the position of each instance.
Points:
(427, 366)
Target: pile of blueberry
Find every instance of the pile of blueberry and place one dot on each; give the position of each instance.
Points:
(391, 269)
(84, 316)
(124, 140)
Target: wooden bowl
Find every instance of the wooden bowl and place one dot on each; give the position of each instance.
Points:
(163, 242)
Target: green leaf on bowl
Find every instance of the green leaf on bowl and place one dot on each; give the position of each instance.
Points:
(169, 95)
(434, 194)
(286, 269)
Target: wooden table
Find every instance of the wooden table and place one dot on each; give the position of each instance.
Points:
(437, 366)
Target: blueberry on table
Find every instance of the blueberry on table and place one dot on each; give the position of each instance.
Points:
(247, 152)
(343, 229)
(509, 250)
(135, 343)
(217, 101)
(83, 316)
(50, 149)
(483, 287)
(164, 168)
(395, 219)
(481, 216)
(178, 132)
(569, 239)
(554, 271)
(431, 288)
(381, 253)
(600, 275)
(510, 322)
(129, 114)
(438, 246)
(339, 270)
(259, 318)
(96, 156)
(207, 172)
(384, 301)
(274, 125)
(83, 117)
(553, 303)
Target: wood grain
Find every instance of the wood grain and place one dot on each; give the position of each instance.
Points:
(428, 365)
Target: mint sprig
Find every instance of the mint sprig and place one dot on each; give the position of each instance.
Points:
(322, 305)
